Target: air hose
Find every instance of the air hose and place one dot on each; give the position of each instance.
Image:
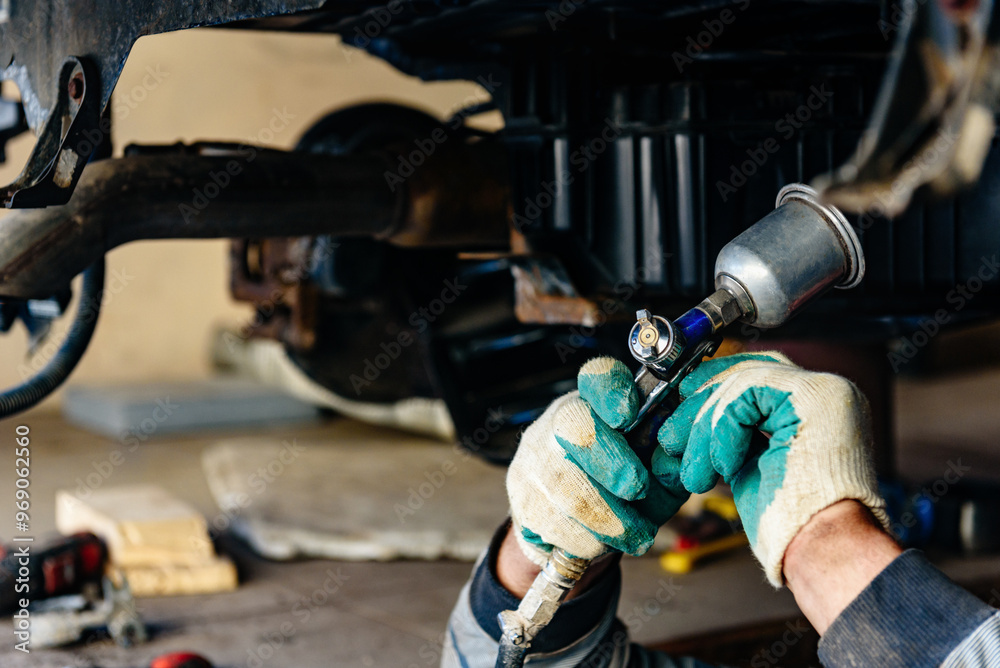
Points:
(52, 375)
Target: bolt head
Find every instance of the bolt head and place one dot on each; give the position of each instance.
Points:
(76, 87)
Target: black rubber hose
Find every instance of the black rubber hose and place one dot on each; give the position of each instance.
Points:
(52, 375)
(510, 655)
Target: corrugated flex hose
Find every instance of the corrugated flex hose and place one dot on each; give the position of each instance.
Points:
(57, 369)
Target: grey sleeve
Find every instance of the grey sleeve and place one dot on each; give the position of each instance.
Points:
(979, 649)
(910, 615)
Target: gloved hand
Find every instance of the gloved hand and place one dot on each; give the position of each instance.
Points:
(575, 483)
(817, 453)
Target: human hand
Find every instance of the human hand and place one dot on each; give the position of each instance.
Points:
(576, 484)
(817, 452)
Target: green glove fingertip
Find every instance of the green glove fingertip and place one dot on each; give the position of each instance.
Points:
(607, 385)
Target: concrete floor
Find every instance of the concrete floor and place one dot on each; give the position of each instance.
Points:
(393, 614)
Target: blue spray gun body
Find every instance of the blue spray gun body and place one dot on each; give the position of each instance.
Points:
(762, 277)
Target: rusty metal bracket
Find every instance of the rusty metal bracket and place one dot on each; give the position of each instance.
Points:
(70, 135)
(545, 294)
(40, 39)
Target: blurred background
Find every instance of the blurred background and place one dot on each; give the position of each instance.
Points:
(222, 85)
(166, 302)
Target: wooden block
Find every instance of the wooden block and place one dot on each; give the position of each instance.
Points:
(143, 525)
(218, 574)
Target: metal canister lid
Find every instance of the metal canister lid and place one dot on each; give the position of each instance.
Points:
(833, 216)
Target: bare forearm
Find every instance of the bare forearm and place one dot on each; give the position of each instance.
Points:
(833, 558)
(516, 572)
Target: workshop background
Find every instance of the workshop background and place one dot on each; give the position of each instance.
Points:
(174, 297)
(221, 85)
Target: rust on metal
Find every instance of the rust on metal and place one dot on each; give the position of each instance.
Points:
(272, 275)
(543, 296)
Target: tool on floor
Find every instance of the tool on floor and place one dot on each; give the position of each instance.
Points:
(683, 561)
(763, 276)
(65, 619)
(716, 529)
(180, 660)
(61, 567)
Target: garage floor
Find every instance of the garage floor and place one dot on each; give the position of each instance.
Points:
(393, 614)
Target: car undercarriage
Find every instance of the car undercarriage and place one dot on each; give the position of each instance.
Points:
(397, 255)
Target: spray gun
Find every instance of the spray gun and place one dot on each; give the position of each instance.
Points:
(762, 277)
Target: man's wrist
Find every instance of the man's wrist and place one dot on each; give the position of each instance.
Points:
(515, 572)
(833, 558)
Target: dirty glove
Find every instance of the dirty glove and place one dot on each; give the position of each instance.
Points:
(817, 452)
(576, 484)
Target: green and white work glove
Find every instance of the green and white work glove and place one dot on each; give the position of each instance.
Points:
(577, 485)
(817, 453)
